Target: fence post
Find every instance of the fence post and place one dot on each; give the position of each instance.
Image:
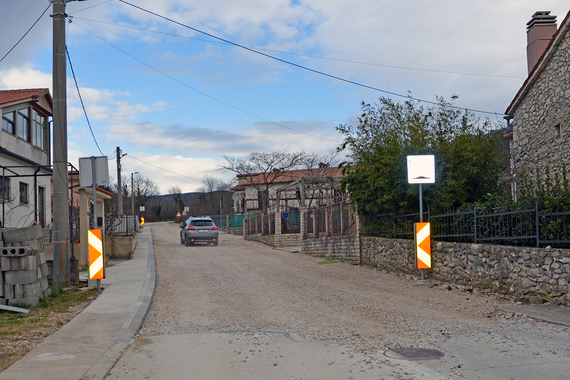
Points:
(537, 221)
(475, 224)
(341, 218)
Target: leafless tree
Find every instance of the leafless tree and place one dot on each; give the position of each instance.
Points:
(262, 169)
(143, 190)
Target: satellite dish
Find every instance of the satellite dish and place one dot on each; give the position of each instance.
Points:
(235, 197)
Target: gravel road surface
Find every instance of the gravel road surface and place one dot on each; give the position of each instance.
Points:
(243, 310)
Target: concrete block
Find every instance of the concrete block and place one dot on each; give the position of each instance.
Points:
(3, 301)
(45, 269)
(19, 235)
(29, 302)
(41, 257)
(19, 291)
(47, 292)
(21, 277)
(28, 263)
(32, 290)
(5, 263)
(14, 263)
(18, 251)
(44, 283)
(8, 291)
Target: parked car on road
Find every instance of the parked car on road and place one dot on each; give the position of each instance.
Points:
(198, 229)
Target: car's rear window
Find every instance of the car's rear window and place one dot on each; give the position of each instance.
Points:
(202, 223)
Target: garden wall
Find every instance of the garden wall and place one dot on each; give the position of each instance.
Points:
(343, 248)
(533, 274)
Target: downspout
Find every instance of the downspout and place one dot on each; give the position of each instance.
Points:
(36, 216)
(3, 194)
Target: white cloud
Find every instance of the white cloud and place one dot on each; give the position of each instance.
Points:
(25, 77)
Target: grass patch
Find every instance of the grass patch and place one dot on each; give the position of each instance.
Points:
(19, 333)
(328, 262)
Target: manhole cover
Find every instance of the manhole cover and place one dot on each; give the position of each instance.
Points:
(414, 354)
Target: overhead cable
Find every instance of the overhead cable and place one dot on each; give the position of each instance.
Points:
(25, 34)
(301, 66)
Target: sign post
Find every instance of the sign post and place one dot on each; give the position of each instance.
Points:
(94, 171)
(421, 169)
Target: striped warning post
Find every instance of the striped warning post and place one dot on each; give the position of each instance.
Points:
(96, 267)
(423, 245)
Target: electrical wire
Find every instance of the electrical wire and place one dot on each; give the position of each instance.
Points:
(203, 93)
(308, 55)
(163, 169)
(25, 34)
(81, 100)
(301, 66)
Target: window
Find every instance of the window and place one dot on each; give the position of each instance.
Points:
(39, 122)
(5, 189)
(8, 122)
(23, 193)
(24, 124)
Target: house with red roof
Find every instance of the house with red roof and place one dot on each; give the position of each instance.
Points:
(540, 112)
(25, 157)
(287, 190)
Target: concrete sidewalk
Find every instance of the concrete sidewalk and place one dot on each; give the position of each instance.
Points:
(90, 344)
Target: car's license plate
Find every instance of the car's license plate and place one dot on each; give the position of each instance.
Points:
(204, 231)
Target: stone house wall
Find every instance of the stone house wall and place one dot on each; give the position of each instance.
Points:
(541, 122)
(533, 274)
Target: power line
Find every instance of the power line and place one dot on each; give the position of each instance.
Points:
(310, 56)
(25, 34)
(203, 93)
(163, 169)
(301, 66)
(82, 104)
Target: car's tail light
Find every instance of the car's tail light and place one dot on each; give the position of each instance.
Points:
(214, 228)
(191, 228)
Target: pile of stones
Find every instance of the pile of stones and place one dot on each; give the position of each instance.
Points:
(23, 268)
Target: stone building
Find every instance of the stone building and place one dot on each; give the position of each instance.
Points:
(540, 112)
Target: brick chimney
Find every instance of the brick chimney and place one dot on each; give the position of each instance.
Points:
(539, 32)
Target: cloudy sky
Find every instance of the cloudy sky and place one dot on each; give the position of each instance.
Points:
(175, 99)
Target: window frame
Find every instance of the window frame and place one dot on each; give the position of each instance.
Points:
(6, 120)
(39, 129)
(4, 189)
(23, 124)
(24, 197)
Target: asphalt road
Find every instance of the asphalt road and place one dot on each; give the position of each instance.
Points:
(243, 310)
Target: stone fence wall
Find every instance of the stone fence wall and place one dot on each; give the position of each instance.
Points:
(532, 274)
(343, 248)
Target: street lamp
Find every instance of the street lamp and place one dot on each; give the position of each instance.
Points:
(133, 193)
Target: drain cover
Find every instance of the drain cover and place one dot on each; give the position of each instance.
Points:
(414, 354)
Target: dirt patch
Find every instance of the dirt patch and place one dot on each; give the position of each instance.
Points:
(20, 333)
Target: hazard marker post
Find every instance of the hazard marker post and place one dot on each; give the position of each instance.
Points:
(96, 259)
(421, 169)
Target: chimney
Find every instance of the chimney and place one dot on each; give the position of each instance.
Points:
(539, 32)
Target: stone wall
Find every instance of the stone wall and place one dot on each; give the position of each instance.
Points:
(541, 121)
(532, 274)
(343, 248)
(287, 240)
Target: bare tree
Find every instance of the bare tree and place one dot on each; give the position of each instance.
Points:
(262, 169)
(143, 190)
(176, 193)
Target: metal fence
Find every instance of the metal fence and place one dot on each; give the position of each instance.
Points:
(528, 227)
(290, 222)
(124, 225)
(333, 220)
(260, 224)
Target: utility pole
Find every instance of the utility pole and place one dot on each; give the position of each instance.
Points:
(119, 188)
(60, 177)
(133, 192)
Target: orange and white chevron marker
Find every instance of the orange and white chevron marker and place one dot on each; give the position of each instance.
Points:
(96, 267)
(423, 245)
